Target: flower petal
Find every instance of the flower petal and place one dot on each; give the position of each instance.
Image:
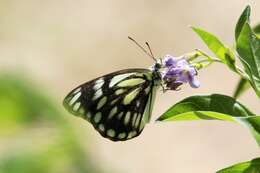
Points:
(169, 61)
(178, 71)
(192, 71)
(194, 83)
(182, 63)
(183, 77)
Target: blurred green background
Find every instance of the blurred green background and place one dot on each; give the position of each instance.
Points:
(35, 135)
(49, 47)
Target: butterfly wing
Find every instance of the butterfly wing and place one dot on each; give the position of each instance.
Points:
(118, 104)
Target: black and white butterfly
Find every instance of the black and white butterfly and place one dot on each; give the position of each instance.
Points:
(118, 104)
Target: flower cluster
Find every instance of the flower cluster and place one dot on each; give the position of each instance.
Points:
(178, 71)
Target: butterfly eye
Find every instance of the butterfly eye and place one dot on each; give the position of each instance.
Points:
(157, 66)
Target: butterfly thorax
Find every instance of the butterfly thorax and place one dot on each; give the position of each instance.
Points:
(157, 77)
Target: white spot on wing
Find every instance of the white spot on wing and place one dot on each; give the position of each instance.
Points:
(81, 111)
(97, 117)
(137, 121)
(134, 118)
(111, 133)
(131, 134)
(147, 90)
(101, 102)
(76, 106)
(89, 115)
(127, 118)
(77, 90)
(131, 96)
(119, 78)
(137, 103)
(119, 91)
(99, 83)
(119, 116)
(114, 101)
(97, 94)
(101, 127)
(131, 82)
(112, 112)
(74, 98)
(122, 135)
(142, 124)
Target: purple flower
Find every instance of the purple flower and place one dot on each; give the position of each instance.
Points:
(177, 72)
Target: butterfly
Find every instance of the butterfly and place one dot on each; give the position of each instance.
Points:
(119, 104)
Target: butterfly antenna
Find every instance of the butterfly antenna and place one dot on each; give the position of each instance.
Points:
(143, 49)
(147, 44)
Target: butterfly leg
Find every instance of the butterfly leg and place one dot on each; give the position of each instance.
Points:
(164, 89)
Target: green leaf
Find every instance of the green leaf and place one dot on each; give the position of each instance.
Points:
(217, 47)
(212, 103)
(213, 107)
(242, 86)
(242, 20)
(252, 166)
(257, 29)
(248, 48)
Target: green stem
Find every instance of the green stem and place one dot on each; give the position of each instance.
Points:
(210, 60)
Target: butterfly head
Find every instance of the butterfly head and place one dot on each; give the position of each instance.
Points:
(157, 66)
